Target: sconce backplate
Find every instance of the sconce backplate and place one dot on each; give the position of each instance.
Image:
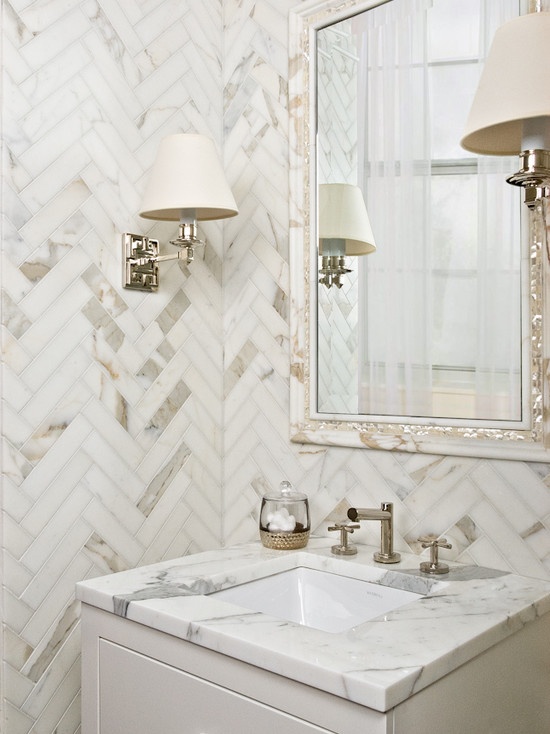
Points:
(140, 255)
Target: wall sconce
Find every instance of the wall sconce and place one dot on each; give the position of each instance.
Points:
(344, 229)
(510, 113)
(187, 184)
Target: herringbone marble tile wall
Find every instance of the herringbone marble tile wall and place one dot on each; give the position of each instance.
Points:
(142, 427)
(112, 400)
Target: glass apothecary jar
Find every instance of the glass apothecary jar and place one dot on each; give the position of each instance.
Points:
(284, 519)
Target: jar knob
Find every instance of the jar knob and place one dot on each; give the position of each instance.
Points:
(285, 487)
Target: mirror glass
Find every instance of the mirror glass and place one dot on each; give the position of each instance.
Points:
(416, 321)
(429, 324)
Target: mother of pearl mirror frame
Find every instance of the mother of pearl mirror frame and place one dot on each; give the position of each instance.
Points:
(309, 426)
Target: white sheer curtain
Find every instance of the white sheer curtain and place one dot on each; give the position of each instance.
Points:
(498, 364)
(447, 264)
(395, 347)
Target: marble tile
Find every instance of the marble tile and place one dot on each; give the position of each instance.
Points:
(39, 84)
(43, 521)
(54, 37)
(44, 324)
(15, 68)
(502, 493)
(90, 485)
(51, 111)
(38, 17)
(50, 446)
(113, 23)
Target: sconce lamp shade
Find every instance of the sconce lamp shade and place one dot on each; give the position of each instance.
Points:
(343, 216)
(513, 97)
(187, 175)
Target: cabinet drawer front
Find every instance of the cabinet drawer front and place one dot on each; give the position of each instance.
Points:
(143, 696)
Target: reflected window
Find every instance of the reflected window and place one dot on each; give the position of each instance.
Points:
(430, 324)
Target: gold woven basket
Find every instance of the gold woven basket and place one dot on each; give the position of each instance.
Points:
(284, 541)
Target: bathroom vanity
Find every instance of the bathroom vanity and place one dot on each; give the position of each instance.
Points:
(163, 652)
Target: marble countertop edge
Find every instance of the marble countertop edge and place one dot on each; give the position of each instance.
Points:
(377, 664)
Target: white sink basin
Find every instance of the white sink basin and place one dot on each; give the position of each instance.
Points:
(318, 599)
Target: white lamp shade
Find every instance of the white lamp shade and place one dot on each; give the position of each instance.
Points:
(343, 215)
(514, 87)
(187, 174)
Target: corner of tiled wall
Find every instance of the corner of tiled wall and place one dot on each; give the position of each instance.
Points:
(257, 453)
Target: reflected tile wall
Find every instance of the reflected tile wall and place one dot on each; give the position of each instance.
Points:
(124, 439)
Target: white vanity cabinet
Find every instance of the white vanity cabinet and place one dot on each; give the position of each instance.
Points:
(141, 695)
(140, 681)
(137, 680)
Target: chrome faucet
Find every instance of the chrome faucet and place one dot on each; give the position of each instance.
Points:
(385, 515)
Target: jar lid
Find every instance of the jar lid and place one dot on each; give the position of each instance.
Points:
(285, 493)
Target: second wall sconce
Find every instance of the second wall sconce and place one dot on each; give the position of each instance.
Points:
(344, 229)
(510, 114)
(187, 185)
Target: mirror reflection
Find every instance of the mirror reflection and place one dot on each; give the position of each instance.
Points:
(419, 294)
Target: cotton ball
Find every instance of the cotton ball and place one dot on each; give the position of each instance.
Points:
(280, 521)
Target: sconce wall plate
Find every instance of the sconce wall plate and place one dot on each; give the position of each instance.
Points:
(140, 255)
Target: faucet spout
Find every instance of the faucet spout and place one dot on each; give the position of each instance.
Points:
(367, 513)
(385, 516)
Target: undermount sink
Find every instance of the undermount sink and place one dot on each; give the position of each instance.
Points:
(325, 601)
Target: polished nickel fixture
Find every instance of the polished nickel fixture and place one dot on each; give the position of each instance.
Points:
(434, 565)
(187, 184)
(385, 516)
(510, 114)
(344, 229)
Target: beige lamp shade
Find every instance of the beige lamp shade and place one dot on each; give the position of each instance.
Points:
(513, 97)
(187, 175)
(343, 216)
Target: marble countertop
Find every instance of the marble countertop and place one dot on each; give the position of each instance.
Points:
(378, 663)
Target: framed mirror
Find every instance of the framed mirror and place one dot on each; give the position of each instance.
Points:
(425, 330)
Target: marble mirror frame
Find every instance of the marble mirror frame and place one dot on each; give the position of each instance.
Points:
(308, 426)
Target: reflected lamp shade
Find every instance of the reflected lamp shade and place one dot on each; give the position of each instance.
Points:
(187, 176)
(343, 216)
(510, 112)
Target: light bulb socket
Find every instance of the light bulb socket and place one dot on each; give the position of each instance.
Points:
(534, 171)
(188, 239)
(332, 269)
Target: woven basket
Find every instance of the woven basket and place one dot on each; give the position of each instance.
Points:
(284, 541)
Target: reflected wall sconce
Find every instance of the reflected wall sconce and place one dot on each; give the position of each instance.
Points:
(187, 184)
(344, 229)
(510, 114)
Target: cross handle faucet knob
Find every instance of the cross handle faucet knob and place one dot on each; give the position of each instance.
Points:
(434, 544)
(344, 548)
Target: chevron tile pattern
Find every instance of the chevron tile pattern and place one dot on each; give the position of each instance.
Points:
(141, 427)
(112, 399)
